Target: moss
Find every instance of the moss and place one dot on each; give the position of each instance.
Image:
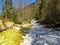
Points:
(10, 37)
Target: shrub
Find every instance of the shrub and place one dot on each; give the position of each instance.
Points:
(15, 19)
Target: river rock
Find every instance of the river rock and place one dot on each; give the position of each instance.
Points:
(2, 27)
(9, 24)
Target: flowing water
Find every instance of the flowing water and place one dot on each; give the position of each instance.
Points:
(38, 35)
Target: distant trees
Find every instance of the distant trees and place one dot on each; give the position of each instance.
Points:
(7, 8)
(21, 12)
(10, 12)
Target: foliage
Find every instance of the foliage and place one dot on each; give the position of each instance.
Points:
(49, 12)
(21, 14)
(24, 20)
(7, 7)
(36, 16)
(35, 10)
(1, 17)
(15, 19)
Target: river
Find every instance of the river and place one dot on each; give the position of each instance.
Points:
(39, 35)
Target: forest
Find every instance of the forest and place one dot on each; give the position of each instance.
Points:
(44, 11)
